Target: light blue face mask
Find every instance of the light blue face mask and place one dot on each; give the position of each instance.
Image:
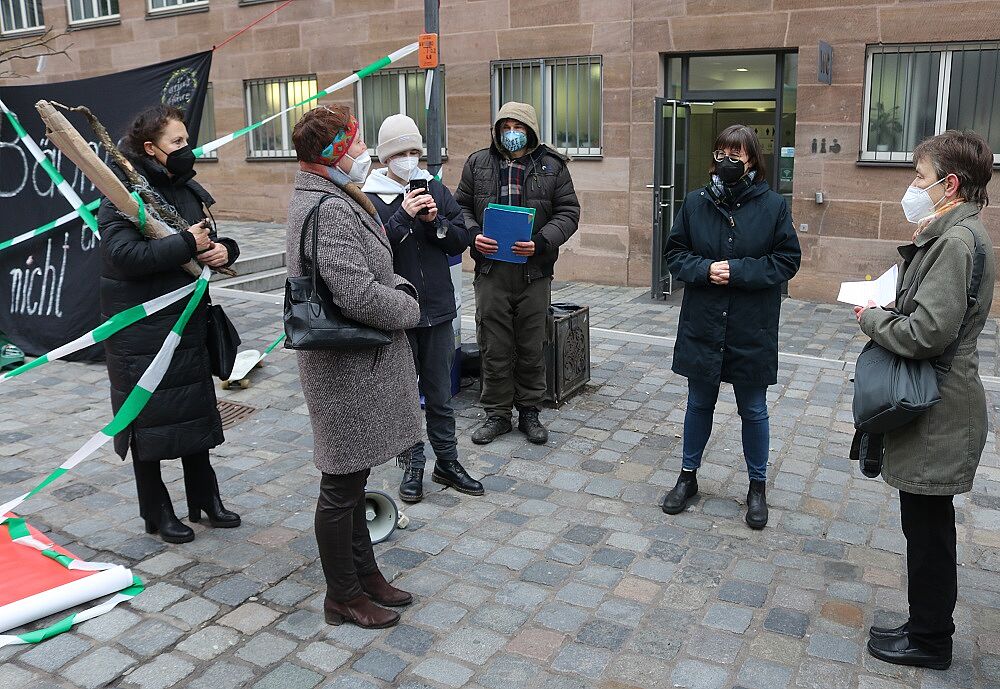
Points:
(514, 140)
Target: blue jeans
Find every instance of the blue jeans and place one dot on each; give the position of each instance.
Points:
(751, 400)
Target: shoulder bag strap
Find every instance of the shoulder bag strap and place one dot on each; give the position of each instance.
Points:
(312, 215)
(943, 362)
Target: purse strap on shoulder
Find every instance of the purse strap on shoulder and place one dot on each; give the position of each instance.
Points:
(312, 218)
(943, 363)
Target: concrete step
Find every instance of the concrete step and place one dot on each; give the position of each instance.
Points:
(262, 281)
(255, 263)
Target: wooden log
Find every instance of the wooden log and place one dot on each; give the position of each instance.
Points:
(68, 140)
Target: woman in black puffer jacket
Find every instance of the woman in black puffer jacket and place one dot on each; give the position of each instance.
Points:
(181, 418)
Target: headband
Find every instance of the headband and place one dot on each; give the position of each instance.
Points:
(337, 149)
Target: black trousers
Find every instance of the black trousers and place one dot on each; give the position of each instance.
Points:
(931, 568)
(511, 314)
(345, 548)
(433, 353)
(199, 482)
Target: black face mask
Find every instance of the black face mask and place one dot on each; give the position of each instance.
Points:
(730, 172)
(181, 161)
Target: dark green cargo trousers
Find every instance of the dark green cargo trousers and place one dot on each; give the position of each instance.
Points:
(510, 327)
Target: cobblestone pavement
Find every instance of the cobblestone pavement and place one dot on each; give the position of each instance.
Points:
(565, 575)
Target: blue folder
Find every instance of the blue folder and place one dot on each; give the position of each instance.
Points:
(506, 225)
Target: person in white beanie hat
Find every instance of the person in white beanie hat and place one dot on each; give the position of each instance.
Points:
(425, 227)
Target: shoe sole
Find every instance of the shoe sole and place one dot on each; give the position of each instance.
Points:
(683, 507)
(933, 665)
(446, 482)
(410, 499)
(487, 442)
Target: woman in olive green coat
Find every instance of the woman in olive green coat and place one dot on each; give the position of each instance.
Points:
(934, 458)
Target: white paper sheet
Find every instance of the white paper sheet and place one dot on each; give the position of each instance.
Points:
(63, 597)
(882, 290)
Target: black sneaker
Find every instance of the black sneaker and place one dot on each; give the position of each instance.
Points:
(494, 427)
(528, 423)
(676, 501)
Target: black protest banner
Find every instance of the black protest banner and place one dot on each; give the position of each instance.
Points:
(49, 284)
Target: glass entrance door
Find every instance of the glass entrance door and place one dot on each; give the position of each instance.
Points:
(706, 94)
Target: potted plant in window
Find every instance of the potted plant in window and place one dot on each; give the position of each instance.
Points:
(885, 127)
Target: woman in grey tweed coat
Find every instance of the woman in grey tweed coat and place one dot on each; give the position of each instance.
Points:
(363, 403)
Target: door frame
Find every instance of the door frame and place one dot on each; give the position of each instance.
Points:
(659, 187)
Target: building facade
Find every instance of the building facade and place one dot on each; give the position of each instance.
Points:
(839, 91)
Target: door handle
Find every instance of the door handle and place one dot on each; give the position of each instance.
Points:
(662, 186)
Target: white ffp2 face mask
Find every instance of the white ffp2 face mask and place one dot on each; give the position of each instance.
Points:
(359, 170)
(403, 167)
(917, 203)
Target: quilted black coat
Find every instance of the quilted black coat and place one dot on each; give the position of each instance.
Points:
(181, 417)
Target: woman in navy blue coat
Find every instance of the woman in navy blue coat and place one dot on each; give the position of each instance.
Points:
(733, 246)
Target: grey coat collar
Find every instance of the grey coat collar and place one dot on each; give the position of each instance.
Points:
(307, 181)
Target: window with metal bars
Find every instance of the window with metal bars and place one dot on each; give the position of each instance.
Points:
(566, 92)
(20, 15)
(397, 91)
(265, 97)
(206, 130)
(916, 91)
(86, 11)
(167, 5)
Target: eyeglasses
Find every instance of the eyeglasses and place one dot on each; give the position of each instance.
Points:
(719, 155)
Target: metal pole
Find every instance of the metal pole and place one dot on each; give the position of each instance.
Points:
(432, 24)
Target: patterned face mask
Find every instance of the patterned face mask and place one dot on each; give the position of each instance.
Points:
(514, 140)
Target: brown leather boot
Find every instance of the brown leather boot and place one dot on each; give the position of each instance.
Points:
(361, 611)
(382, 592)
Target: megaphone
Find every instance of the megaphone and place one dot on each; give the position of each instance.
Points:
(381, 513)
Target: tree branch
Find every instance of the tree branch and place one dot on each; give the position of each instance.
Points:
(30, 49)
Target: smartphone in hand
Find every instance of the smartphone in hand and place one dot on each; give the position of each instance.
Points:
(418, 184)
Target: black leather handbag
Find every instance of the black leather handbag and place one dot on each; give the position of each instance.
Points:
(312, 319)
(890, 390)
(223, 342)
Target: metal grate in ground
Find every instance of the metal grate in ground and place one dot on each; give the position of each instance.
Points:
(233, 413)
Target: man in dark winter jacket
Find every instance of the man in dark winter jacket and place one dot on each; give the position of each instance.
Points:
(512, 299)
(425, 227)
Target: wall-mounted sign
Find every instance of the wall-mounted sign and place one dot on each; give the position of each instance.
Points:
(825, 75)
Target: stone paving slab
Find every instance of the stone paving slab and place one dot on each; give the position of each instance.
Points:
(565, 574)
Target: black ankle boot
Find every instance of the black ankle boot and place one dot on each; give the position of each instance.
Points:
(529, 424)
(210, 503)
(677, 499)
(411, 488)
(757, 505)
(164, 521)
(449, 472)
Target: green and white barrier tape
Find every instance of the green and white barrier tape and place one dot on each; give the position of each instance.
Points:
(65, 624)
(92, 206)
(61, 184)
(19, 533)
(133, 404)
(85, 210)
(353, 79)
(270, 347)
(105, 330)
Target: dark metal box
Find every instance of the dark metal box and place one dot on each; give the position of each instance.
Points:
(567, 351)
